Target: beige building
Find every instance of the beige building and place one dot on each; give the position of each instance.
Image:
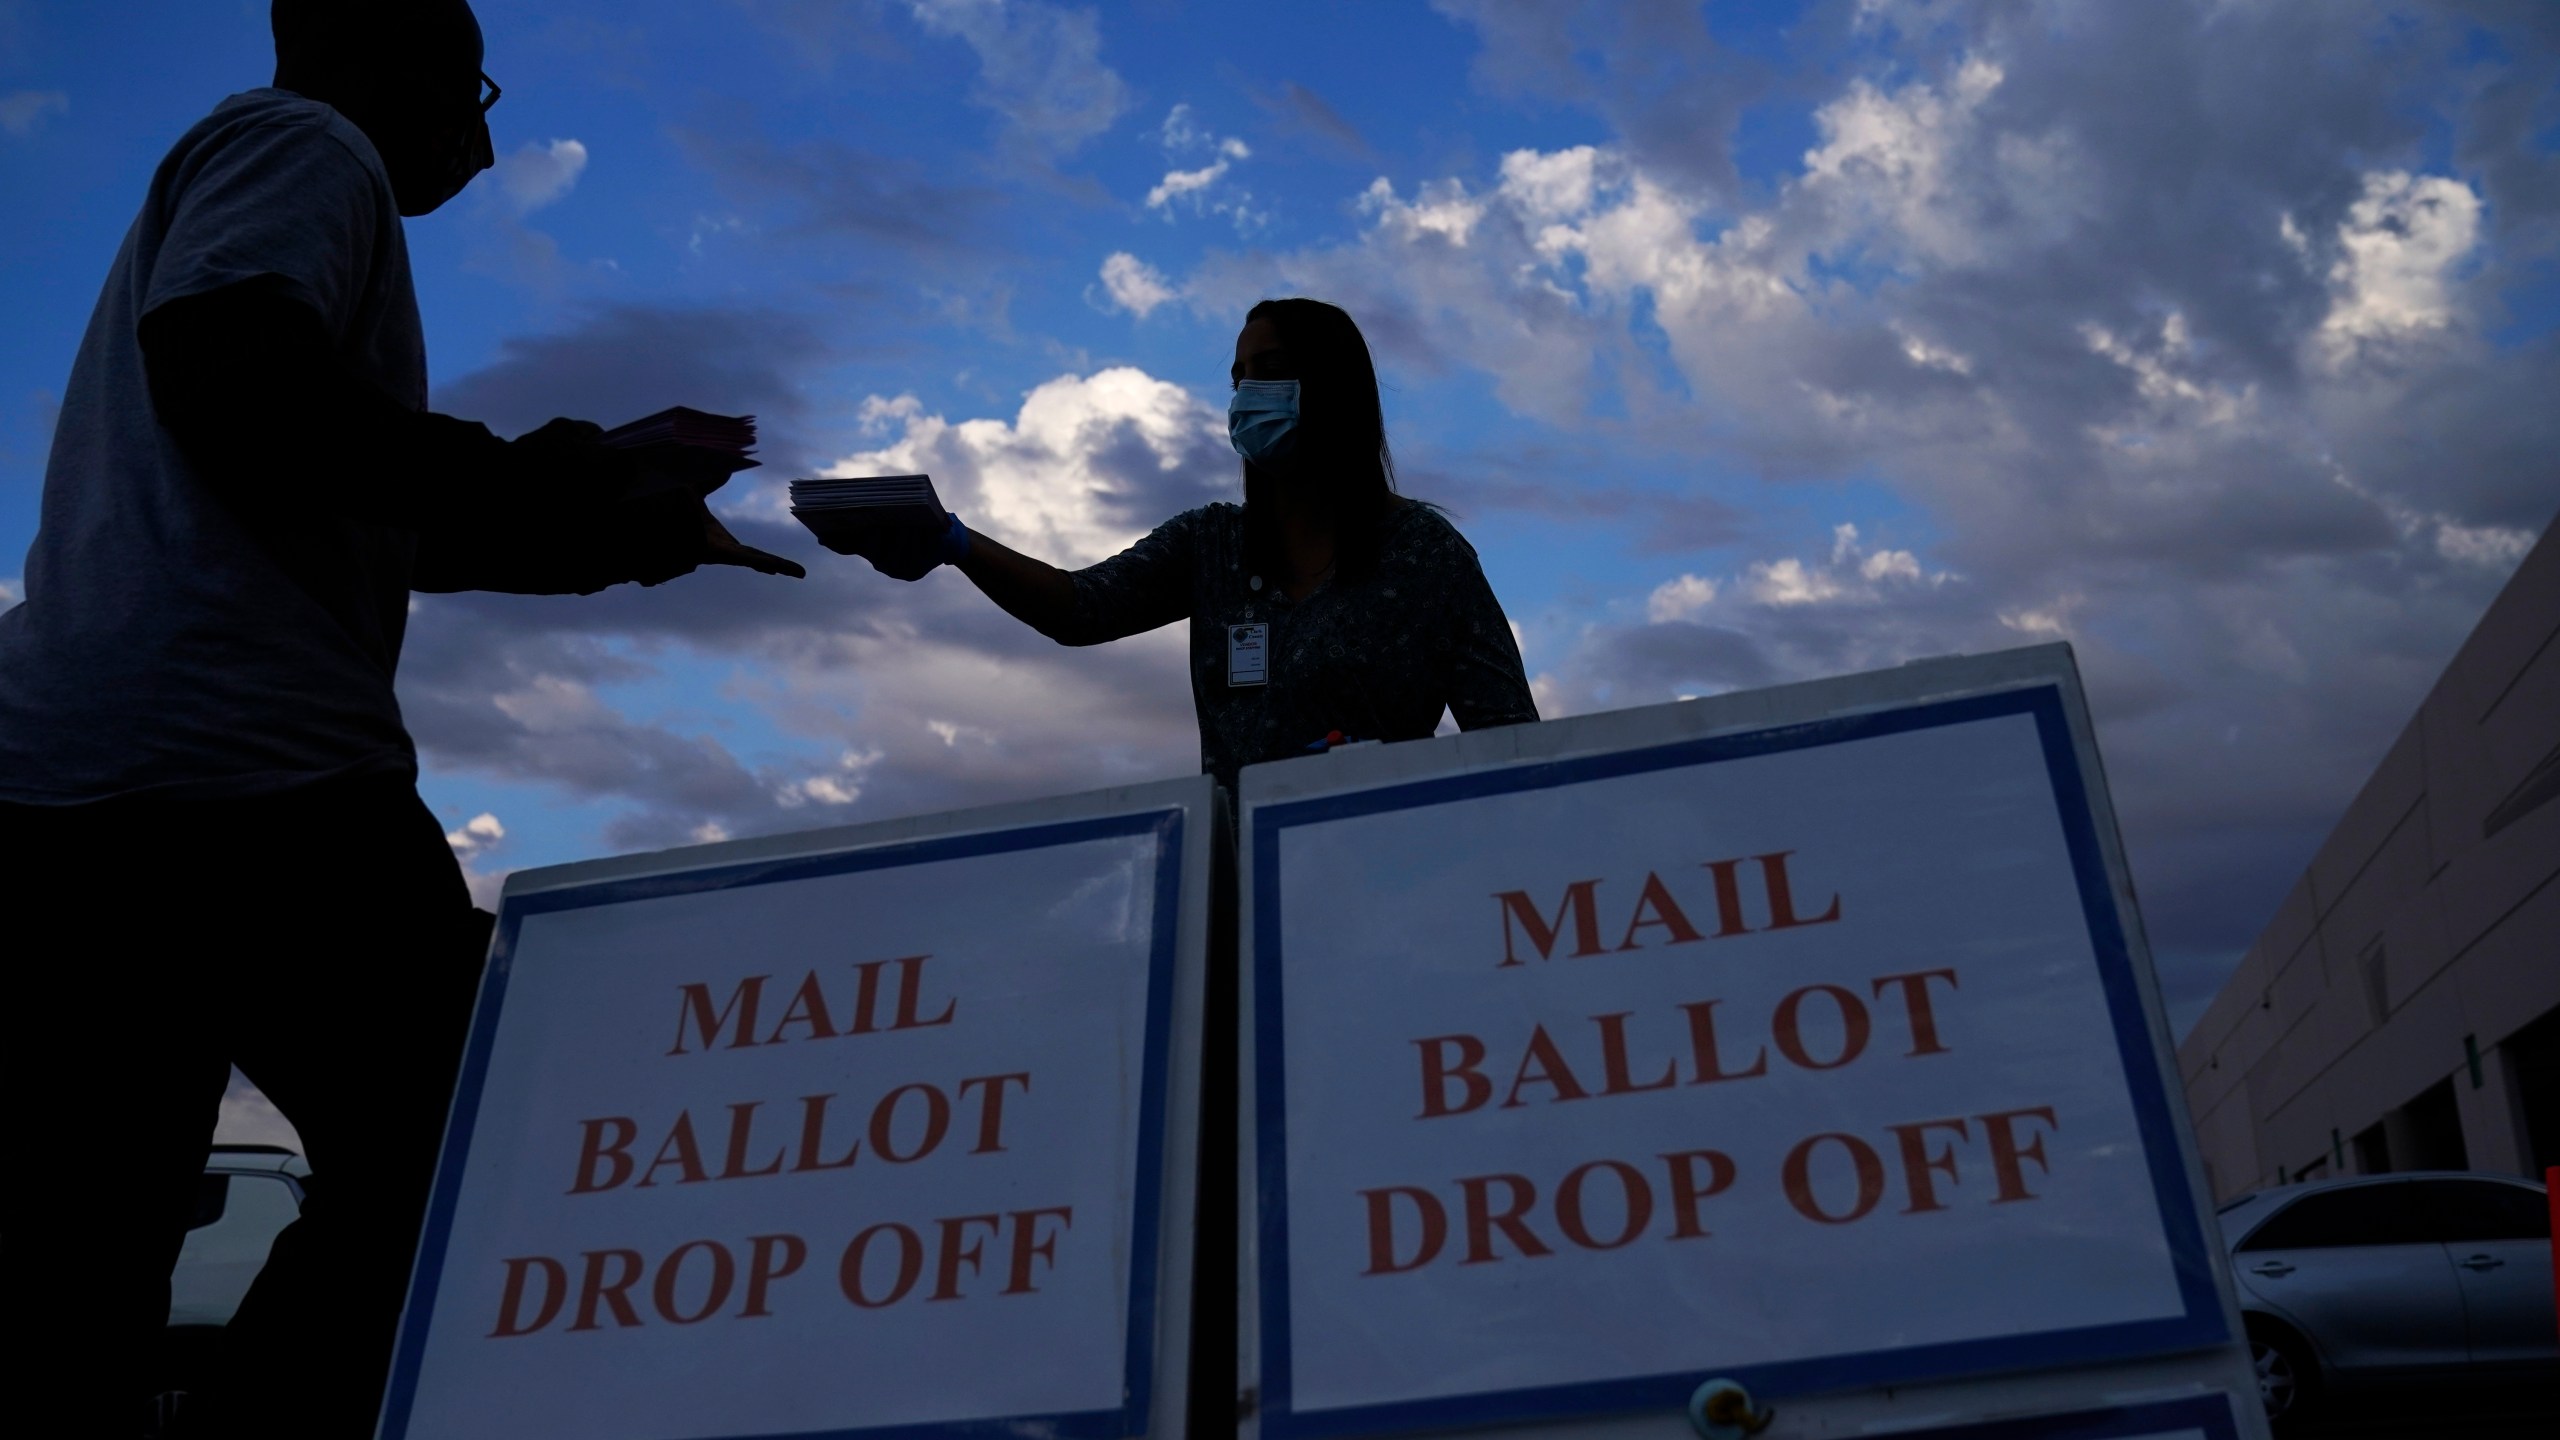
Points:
(2402, 1010)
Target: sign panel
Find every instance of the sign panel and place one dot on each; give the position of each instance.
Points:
(2199, 1417)
(861, 1133)
(1817, 1055)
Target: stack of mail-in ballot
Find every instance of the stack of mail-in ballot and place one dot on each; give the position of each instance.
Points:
(687, 446)
(860, 515)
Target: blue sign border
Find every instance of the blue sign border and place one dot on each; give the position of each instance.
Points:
(1138, 1374)
(2199, 1325)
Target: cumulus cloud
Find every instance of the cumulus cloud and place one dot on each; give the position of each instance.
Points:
(1134, 285)
(1853, 574)
(1679, 598)
(1201, 189)
(471, 842)
(23, 112)
(538, 174)
(476, 836)
(11, 592)
(533, 176)
(2398, 248)
(1086, 466)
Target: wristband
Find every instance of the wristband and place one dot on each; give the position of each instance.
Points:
(954, 546)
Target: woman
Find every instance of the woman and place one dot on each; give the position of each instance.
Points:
(1327, 607)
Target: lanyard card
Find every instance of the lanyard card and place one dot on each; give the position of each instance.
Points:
(1248, 654)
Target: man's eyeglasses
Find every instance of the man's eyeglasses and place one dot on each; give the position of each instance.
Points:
(489, 92)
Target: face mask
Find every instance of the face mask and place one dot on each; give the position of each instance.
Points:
(425, 185)
(1262, 419)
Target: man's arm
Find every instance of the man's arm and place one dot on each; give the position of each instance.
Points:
(246, 379)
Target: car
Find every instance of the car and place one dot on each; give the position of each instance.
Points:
(248, 1195)
(2385, 1281)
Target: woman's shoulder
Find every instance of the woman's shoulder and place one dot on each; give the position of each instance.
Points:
(1212, 526)
(1218, 517)
(1423, 532)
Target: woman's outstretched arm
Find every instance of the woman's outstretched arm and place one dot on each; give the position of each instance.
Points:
(1142, 587)
(1034, 592)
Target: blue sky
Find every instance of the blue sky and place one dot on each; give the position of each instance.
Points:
(1748, 342)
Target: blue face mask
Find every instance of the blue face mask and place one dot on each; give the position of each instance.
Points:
(1262, 419)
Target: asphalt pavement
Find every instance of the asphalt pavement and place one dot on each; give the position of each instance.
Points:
(2505, 1416)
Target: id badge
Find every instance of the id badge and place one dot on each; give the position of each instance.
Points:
(1248, 654)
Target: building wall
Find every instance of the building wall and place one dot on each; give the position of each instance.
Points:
(2426, 931)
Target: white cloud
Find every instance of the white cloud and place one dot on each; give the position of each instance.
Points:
(1790, 582)
(539, 173)
(840, 786)
(1178, 183)
(1198, 188)
(952, 732)
(1853, 573)
(1928, 356)
(1679, 598)
(1893, 160)
(2049, 621)
(1562, 185)
(23, 112)
(1183, 134)
(1134, 285)
(2157, 377)
(1056, 480)
(1442, 210)
(476, 837)
(1890, 565)
(11, 592)
(2399, 247)
(2492, 547)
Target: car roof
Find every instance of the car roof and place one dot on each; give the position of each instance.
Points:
(2244, 1211)
(256, 1160)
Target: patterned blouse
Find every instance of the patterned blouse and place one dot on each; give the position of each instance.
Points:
(1377, 659)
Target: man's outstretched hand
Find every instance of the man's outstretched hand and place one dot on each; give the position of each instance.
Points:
(719, 547)
(653, 517)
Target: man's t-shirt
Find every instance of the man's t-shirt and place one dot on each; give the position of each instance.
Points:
(174, 642)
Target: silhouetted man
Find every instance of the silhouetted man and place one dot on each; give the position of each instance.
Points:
(216, 851)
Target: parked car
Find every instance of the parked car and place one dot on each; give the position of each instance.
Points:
(248, 1195)
(2384, 1280)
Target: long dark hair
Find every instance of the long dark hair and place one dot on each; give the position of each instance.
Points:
(1341, 457)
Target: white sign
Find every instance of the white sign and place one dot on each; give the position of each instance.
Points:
(868, 1138)
(1814, 1056)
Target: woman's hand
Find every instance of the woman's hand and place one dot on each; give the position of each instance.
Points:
(907, 553)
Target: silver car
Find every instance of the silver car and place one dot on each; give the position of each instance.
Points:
(2350, 1284)
(248, 1195)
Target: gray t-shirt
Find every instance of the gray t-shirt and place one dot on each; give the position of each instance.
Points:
(169, 643)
